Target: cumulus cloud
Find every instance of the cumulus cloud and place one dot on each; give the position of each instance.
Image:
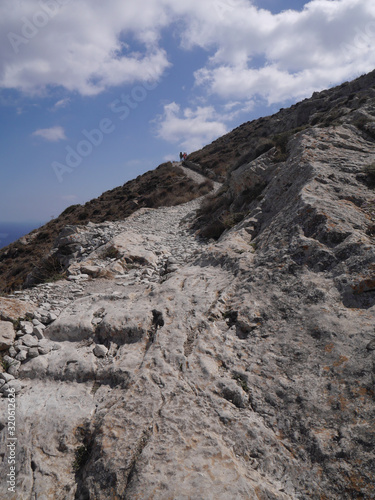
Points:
(79, 45)
(53, 134)
(288, 55)
(87, 46)
(190, 129)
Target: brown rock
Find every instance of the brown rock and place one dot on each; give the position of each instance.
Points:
(13, 309)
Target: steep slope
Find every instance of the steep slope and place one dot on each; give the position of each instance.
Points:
(165, 186)
(254, 138)
(242, 368)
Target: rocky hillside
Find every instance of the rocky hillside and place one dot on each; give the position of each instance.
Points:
(165, 186)
(169, 366)
(347, 102)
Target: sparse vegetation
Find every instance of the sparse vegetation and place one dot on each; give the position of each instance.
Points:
(5, 364)
(81, 456)
(48, 270)
(110, 253)
(369, 170)
(364, 124)
(221, 211)
(231, 219)
(281, 144)
(241, 381)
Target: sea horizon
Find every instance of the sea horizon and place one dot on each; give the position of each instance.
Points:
(12, 231)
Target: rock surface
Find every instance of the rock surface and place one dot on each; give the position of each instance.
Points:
(236, 369)
(13, 309)
(7, 335)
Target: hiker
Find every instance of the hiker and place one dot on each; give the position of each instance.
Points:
(181, 156)
(184, 156)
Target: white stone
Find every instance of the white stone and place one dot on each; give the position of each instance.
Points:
(38, 332)
(6, 376)
(100, 351)
(12, 352)
(22, 355)
(27, 327)
(30, 340)
(33, 352)
(7, 335)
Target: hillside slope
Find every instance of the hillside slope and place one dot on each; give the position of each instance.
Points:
(165, 186)
(171, 366)
(249, 140)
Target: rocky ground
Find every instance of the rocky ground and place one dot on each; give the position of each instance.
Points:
(168, 367)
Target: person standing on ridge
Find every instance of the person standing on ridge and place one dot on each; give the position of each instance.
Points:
(181, 156)
(184, 156)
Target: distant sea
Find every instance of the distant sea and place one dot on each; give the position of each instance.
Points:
(11, 231)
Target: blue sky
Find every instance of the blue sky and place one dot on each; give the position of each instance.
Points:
(94, 93)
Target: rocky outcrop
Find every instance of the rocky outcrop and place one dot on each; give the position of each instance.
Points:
(167, 366)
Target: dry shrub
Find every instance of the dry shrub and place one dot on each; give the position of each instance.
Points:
(49, 269)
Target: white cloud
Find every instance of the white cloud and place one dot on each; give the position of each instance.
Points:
(190, 129)
(53, 134)
(81, 45)
(62, 103)
(87, 46)
(288, 55)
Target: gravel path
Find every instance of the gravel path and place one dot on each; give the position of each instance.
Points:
(165, 232)
(195, 176)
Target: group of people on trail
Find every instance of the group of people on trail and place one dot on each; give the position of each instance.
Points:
(183, 156)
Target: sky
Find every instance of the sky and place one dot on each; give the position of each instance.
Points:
(93, 93)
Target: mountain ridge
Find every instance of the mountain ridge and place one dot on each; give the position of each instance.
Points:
(220, 348)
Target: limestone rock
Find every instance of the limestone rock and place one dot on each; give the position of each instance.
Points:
(130, 246)
(27, 327)
(13, 309)
(30, 340)
(38, 332)
(100, 351)
(90, 270)
(248, 371)
(22, 355)
(33, 352)
(10, 386)
(7, 335)
(6, 376)
(12, 352)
